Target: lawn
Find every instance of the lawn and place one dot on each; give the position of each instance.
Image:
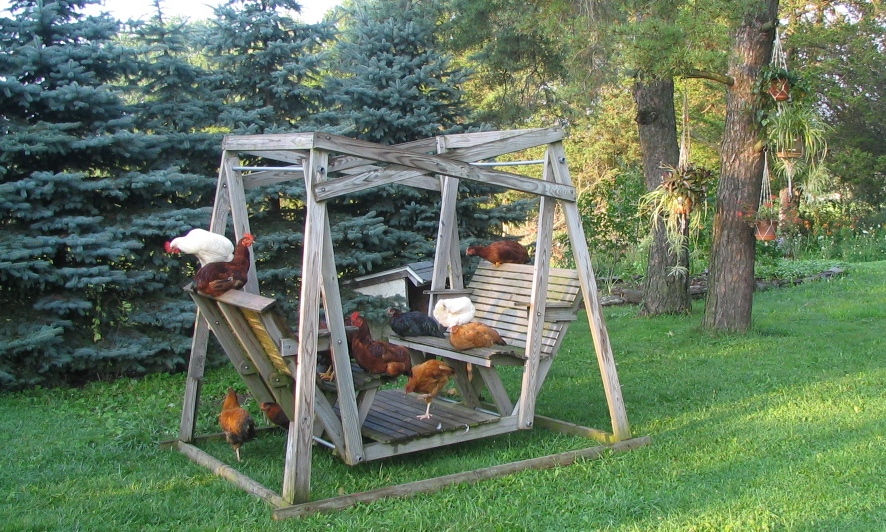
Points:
(783, 428)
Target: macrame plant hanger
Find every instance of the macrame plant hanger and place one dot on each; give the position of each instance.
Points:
(779, 60)
(766, 188)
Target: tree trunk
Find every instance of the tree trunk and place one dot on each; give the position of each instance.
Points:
(666, 289)
(731, 281)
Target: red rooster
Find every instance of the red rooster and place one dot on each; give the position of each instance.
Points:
(216, 278)
(501, 252)
(376, 356)
(206, 246)
(236, 422)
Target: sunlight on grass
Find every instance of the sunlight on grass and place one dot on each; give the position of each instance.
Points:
(778, 429)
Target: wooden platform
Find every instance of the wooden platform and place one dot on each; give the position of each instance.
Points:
(394, 417)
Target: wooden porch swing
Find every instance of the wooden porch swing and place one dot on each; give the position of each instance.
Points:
(360, 423)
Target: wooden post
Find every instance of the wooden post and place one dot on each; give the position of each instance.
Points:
(197, 361)
(344, 379)
(297, 471)
(538, 298)
(617, 413)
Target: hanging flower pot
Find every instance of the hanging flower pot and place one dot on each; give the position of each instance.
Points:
(765, 229)
(780, 89)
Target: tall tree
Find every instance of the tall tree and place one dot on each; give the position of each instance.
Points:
(731, 282)
(72, 273)
(391, 85)
(838, 46)
(266, 68)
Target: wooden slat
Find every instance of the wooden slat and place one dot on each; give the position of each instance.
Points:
(442, 165)
(270, 142)
(435, 484)
(297, 469)
(233, 349)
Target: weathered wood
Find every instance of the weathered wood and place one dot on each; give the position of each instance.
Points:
(537, 306)
(350, 415)
(230, 474)
(573, 430)
(297, 469)
(271, 142)
(469, 477)
(239, 214)
(602, 347)
(442, 165)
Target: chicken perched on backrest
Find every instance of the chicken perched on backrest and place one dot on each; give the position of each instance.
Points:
(235, 422)
(207, 246)
(474, 334)
(376, 356)
(501, 252)
(414, 323)
(428, 379)
(216, 278)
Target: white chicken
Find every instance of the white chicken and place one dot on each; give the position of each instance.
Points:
(456, 311)
(207, 246)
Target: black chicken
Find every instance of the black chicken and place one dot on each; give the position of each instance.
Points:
(414, 323)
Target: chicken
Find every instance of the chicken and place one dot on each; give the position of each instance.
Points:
(236, 422)
(501, 252)
(474, 334)
(376, 356)
(216, 278)
(428, 379)
(414, 323)
(456, 311)
(275, 414)
(207, 246)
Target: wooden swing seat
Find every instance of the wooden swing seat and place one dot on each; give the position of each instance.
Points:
(501, 297)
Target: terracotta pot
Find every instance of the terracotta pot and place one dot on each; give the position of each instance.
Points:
(765, 229)
(780, 89)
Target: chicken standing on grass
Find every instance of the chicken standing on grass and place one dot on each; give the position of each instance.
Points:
(501, 252)
(275, 414)
(207, 246)
(429, 378)
(236, 422)
(216, 278)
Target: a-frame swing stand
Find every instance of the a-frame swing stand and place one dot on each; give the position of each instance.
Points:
(351, 416)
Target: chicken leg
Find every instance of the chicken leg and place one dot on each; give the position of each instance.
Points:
(427, 414)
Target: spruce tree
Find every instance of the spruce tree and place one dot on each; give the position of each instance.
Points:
(88, 203)
(391, 85)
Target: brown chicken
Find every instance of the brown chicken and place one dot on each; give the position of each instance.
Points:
(275, 414)
(376, 356)
(501, 252)
(216, 278)
(236, 422)
(428, 379)
(474, 334)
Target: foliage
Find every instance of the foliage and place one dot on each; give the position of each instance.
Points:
(795, 125)
(769, 209)
(840, 46)
(612, 224)
(799, 86)
(679, 202)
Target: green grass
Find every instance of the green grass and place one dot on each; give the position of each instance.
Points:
(783, 428)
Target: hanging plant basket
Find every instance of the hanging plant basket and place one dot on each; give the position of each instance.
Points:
(780, 89)
(765, 229)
